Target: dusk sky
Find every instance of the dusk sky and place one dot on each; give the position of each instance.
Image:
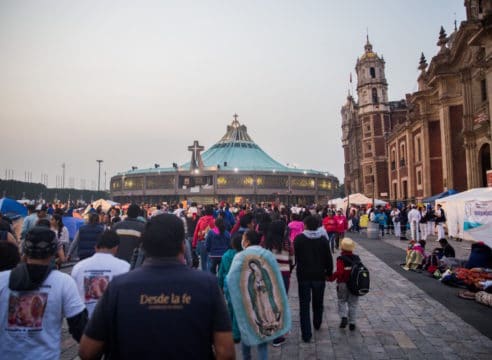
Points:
(135, 82)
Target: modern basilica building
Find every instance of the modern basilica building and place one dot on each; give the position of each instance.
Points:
(235, 169)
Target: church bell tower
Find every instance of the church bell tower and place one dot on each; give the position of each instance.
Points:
(373, 113)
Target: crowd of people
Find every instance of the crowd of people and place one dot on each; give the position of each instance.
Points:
(417, 221)
(137, 279)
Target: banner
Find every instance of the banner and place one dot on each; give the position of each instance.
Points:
(478, 220)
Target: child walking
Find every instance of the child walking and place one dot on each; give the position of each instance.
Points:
(347, 302)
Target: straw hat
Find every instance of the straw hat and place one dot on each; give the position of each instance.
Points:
(347, 244)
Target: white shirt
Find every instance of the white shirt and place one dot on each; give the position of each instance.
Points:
(31, 321)
(92, 276)
(64, 236)
(414, 216)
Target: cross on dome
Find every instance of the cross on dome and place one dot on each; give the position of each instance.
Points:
(235, 122)
(196, 157)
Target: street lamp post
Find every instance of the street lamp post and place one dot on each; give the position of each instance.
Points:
(99, 175)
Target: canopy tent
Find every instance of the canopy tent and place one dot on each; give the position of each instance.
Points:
(105, 205)
(334, 201)
(457, 209)
(361, 199)
(12, 209)
(355, 199)
(432, 199)
(338, 202)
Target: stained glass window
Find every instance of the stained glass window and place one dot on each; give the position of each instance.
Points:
(133, 183)
(272, 182)
(231, 181)
(324, 184)
(160, 182)
(302, 183)
(116, 184)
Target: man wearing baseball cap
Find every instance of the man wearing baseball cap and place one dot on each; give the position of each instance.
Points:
(34, 299)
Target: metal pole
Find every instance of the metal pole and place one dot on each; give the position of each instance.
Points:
(63, 176)
(99, 175)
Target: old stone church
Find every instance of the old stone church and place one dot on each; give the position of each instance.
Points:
(437, 138)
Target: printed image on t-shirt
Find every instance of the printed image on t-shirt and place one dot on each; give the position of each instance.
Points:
(26, 310)
(94, 286)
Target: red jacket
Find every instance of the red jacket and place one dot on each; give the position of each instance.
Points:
(342, 223)
(330, 224)
(205, 223)
(342, 274)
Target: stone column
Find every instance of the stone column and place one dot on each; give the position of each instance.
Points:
(426, 168)
(472, 166)
(469, 137)
(447, 170)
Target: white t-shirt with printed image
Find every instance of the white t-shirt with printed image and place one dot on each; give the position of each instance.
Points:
(31, 321)
(92, 276)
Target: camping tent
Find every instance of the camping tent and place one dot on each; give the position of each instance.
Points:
(73, 224)
(105, 205)
(11, 208)
(461, 207)
(432, 199)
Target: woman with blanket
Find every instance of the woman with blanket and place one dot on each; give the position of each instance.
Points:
(415, 255)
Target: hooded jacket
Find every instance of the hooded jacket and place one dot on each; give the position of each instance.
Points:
(313, 255)
(205, 223)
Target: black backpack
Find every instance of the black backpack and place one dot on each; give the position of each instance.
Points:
(359, 281)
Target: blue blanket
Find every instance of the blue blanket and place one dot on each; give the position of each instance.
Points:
(258, 296)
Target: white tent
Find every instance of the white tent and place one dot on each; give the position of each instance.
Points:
(361, 199)
(355, 199)
(454, 207)
(105, 205)
(338, 202)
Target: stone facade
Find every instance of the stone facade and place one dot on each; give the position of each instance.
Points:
(438, 138)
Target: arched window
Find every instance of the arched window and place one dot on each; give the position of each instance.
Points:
(374, 96)
(372, 72)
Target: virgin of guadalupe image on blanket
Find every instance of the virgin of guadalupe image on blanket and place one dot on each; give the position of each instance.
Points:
(261, 296)
(258, 296)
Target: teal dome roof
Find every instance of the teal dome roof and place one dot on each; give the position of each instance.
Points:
(236, 151)
(239, 151)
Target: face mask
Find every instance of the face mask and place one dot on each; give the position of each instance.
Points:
(243, 244)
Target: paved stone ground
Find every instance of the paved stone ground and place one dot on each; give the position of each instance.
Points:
(396, 320)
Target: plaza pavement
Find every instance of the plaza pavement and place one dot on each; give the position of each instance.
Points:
(396, 320)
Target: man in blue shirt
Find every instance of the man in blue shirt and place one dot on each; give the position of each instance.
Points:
(163, 309)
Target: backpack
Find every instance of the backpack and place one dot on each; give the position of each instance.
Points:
(138, 257)
(359, 281)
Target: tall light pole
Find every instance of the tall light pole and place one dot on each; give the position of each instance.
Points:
(99, 175)
(63, 176)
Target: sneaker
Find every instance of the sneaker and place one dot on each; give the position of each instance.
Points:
(344, 322)
(352, 327)
(278, 341)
